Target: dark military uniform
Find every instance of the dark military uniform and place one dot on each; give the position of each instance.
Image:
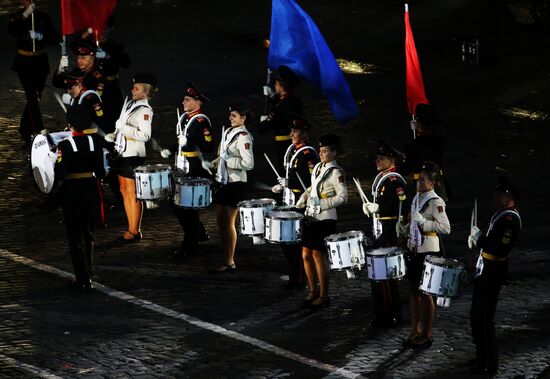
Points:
(389, 191)
(31, 66)
(199, 140)
(80, 167)
(112, 98)
(302, 164)
(496, 245)
(278, 123)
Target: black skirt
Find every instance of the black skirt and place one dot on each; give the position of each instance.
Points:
(230, 194)
(415, 265)
(125, 166)
(314, 233)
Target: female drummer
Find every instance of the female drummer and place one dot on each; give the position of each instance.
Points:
(133, 130)
(327, 191)
(235, 159)
(427, 220)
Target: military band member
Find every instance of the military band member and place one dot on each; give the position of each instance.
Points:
(388, 192)
(79, 167)
(133, 130)
(32, 29)
(284, 102)
(428, 220)
(235, 159)
(327, 192)
(195, 143)
(299, 160)
(492, 270)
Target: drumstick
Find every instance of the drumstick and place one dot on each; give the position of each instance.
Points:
(178, 125)
(301, 181)
(155, 145)
(58, 98)
(361, 193)
(271, 164)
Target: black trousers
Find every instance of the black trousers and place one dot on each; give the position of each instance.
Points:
(386, 301)
(192, 226)
(482, 314)
(80, 219)
(293, 255)
(31, 119)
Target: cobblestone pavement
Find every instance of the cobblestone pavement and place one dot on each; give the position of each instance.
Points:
(152, 316)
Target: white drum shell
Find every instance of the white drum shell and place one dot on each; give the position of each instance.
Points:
(441, 276)
(346, 250)
(153, 182)
(193, 193)
(252, 215)
(386, 264)
(283, 227)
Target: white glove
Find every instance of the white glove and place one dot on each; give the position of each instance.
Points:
(52, 156)
(283, 181)
(419, 218)
(268, 91)
(29, 10)
(207, 165)
(277, 188)
(44, 132)
(111, 137)
(370, 208)
(36, 35)
(63, 63)
(182, 140)
(475, 233)
(66, 98)
(100, 54)
(165, 153)
(263, 118)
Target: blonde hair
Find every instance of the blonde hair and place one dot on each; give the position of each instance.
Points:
(149, 90)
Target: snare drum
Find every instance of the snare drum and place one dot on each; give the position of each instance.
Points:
(441, 276)
(346, 250)
(193, 193)
(42, 158)
(252, 214)
(153, 182)
(283, 227)
(385, 263)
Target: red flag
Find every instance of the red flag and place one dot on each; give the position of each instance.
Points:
(77, 15)
(413, 81)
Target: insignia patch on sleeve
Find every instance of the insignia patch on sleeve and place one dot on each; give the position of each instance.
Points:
(340, 179)
(440, 209)
(146, 117)
(246, 146)
(401, 194)
(59, 156)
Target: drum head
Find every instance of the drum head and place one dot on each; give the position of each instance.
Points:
(344, 236)
(385, 251)
(256, 203)
(42, 163)
(443, 262)
(153, 168)
(191, 181)
(284, 215)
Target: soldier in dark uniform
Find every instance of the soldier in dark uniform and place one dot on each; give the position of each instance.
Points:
(300, 158)
(31, 61)
(195, 143)
(427, 146)
(283, 103)
(388, 191)
(79, 168)
(74, 83)
(84, 50)
(491, 274)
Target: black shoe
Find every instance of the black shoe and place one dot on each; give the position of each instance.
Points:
(482, 370)
(421, 343)
(320, 302)
(81, 286)
(182, 253)
(135, 237)
(203, 237)
(311, 297)
(225, 269)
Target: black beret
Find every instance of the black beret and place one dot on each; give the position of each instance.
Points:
(145, 78)
(83, 47)
(240, 105)
(431, 168)
(298, 122)
(79, 116)
(285, 74)
(193, 91)
(330, 140)
(387, 151)
(503, 185)
(72, 77)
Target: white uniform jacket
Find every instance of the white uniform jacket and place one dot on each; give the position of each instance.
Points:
(137, 128)
(236, 154)
(436, 222)
(327, 191)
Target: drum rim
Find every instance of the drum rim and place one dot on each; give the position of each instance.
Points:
(273, 202)
(343, 239)
(458, 264)
(140, 169)
(271, 215)
(179, 179)
(395, 251)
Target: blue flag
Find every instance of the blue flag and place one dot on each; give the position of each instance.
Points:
(296, 42)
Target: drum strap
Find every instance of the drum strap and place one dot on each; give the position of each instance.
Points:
(86, 93)
(90, 142)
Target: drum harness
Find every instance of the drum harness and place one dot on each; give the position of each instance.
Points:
(181, 158)
(288, 196)
(229, 136)
(416, 238)
(380, 178)
(81, 175)
(313, 206)
(127, 111)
